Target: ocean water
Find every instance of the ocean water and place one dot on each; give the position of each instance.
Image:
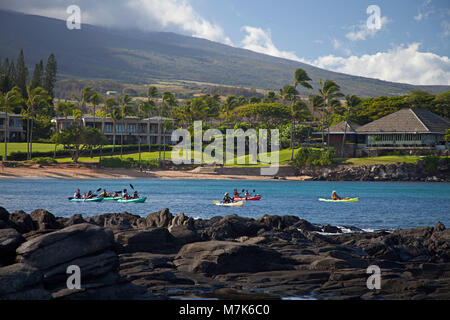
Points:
(382, 205)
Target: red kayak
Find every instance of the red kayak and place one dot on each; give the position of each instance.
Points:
(255, 198)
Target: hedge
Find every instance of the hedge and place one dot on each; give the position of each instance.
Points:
(22, 156)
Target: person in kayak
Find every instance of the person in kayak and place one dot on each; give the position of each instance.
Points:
(77, 194)
(135, 195)
(334, 196)
(115, 195)
(227, 198)
(104, 194)
(236, 194)
(84, 196)
(124, 194)
(247, 194)
(90, 195)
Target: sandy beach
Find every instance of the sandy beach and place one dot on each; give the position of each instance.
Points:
(85, 171)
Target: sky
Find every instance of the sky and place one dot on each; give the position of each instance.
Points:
(401, 41)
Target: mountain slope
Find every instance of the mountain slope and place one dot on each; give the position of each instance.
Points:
(133, 56)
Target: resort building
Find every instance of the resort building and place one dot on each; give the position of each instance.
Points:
(133, 129)
(408, 129)
(16, 132)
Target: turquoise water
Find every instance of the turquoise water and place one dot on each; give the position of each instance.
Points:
(388, 205)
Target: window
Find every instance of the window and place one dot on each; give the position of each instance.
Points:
(131, 128)
(108, 128)
(119, 128)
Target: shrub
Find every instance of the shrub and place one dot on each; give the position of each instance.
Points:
(44, 160)
(431, 163)
(313, 157)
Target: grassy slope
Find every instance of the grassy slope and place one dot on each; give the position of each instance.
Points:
(284, 156)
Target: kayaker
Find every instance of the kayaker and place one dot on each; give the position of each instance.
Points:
(236, 194)
(334, 196)
(104, 194)
(90, 195)
(115, 195)
(77, 194)
(124, 194)
(135, 195)
(227, 199)
(84, 196)
(247, 194)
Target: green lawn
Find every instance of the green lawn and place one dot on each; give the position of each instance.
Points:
(379, 160)
(22, 146)
(284, 156)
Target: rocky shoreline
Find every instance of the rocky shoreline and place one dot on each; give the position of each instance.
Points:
(391, 172)
(162, 256)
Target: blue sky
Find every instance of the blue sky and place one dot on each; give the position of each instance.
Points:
(411, 44)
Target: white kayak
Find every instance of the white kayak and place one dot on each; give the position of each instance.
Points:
(231, 204)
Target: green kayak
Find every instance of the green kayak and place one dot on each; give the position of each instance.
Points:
(138, 200)
(343, 200)
(112, 198)
(98, 199)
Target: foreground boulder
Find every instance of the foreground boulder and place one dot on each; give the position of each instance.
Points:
(160, 219)
(21, 221)
(220, 257)
(44, 220)
(65, 245)
(146, 240)
(10, 240)
(20, 281)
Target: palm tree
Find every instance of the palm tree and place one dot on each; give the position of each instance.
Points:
(351, 102)
(7, 102)
(125, 110)
(95, 98)
(116, 116)
(289, 93)
(107, 109)
(229, 104)
(329, 91)
(316, 102)
(167, 125)
(37, 97)
(300, 78)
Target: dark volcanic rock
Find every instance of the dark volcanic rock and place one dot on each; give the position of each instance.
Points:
(183, 234)
(10, 240)
(4, 215)
(277, 222)
(118, 221)
(230, 227)
(21, 221)
(159, 219)
(75, 219)
(21, 281)
(147, 240)
(219, 257)
(65, 245)
(43, 220)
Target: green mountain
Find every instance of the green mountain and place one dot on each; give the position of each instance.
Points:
(142, 57)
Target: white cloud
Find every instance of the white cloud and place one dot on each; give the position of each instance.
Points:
(260, 40)
(400, 64)
(424, 11)
(362, 32)
(147, 15)
(337, 45)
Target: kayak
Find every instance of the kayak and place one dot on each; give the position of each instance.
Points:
(255, 198)
(138, 200)
(231, 204)
(98, 199)
(343, 200)
(112, 198)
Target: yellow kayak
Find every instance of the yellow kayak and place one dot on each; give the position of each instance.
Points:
(343, 200)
